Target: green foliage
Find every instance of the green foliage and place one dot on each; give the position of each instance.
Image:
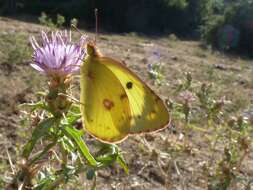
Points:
(210, 29)
(41, 130)
(74, 22)
(199, 11)
(230, 28)
(60, 20)
(76, 137)
(46, 21)
(149, 16)
(196, 102)
(177, 3)
(156, 73)
(56, 131)
(183, 17)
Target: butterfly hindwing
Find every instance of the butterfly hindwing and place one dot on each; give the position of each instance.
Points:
(105, 109)
(148, 112)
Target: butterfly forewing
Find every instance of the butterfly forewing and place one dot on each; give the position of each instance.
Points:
(148, 112)
(105, 109)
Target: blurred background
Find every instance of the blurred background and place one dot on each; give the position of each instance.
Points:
(226, 24)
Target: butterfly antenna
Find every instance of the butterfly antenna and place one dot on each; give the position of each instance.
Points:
(73, 26)
(96, 20)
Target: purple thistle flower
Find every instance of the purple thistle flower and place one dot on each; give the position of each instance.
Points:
(187, 96)
(58, 56)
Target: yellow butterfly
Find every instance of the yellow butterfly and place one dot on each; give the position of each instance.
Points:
(115, 103)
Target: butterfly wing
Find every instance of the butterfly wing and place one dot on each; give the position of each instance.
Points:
(105, 113)
(148, 112)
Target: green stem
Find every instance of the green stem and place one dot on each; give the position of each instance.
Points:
(213, 146)
(186, 138)
(64, 154)
(44, 152)
(245, 153)
(56, 183)
(62, 178)
(24, 173)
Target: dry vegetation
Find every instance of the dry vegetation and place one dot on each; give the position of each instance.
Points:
(174, 158)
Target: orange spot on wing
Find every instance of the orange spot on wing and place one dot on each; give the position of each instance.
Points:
(108, 104)
(123, 96)
(90, 75)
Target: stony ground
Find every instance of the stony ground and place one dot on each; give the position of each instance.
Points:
(147, 156)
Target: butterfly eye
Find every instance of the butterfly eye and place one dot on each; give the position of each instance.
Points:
(129, 85)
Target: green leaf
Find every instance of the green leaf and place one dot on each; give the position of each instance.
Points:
(43, 184)
(72, 119)
(73, 114)
(40, 131)
(108, 154)
(122, 163)
(43, 152)
(76, 137)
(41, 93)
(67, 144)
(35, 106)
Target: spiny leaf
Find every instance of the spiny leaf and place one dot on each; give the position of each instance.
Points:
(122, 163)
(40, 131)
(75, 136)
(107, 154)
(35, 106)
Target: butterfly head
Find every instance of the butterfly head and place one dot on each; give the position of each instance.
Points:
(92, 50)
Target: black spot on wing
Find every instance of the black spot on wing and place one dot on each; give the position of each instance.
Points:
(129, 85)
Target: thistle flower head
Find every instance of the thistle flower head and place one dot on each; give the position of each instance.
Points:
(187, 96)
(58, 55)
